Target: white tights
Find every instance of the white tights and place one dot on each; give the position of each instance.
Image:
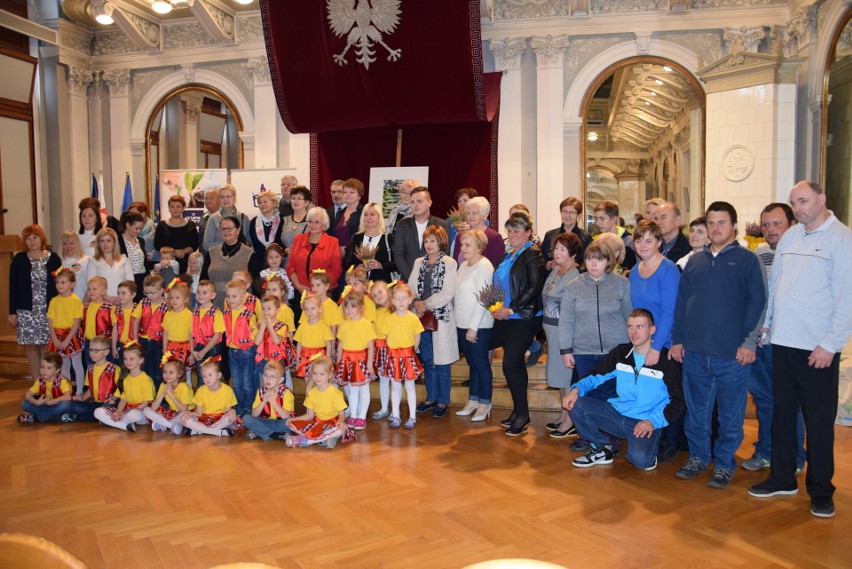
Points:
(410, 396)
(200, 428)
(131, 416)
(359, 400)
(79, 376)
(384, 392)
(155, 417)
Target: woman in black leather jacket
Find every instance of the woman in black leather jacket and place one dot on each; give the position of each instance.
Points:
(521, 275)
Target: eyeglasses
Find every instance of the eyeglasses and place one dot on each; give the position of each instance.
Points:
(227, 228)
(149, 293)
(98, 349)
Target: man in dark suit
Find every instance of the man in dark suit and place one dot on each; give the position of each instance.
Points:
(337, 204)
(408, 237)
(675, 244)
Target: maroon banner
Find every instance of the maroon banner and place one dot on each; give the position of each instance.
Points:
(351, 64)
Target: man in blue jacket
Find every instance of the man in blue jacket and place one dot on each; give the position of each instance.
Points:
(720, 305)
(647, 399)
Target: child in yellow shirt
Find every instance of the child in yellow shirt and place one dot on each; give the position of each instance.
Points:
(323, 421)
(124, 314)
(214, 405)
(65, 318)
(355, 352)
(177, 326)
(50, 396)
(313, 336)
(134, 392)
(331, 313)
(402, 329)
(273, 405)
(173, 398)
(381, 296)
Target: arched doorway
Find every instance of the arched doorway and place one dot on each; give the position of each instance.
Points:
(644, 117)
(836, 175)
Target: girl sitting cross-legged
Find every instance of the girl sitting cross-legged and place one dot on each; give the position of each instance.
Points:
(214, 405)
(173, 398)
(135, 391)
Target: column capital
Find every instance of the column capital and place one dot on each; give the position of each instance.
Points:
(507, 52)
(549, 50)
(258, 71)
(118, 81)
(79, 80)
(743, 39)
(192, 102)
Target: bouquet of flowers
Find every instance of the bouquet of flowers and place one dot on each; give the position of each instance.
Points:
(753, 236)
(365, 253)
(456, 217)
(492, 297)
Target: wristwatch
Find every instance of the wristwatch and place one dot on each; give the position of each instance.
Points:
(511, 312)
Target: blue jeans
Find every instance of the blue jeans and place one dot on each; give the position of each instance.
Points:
(585, 364)
(437, 376)
(243, 377)
(481, 375)
(707, 382)
(153, 350)
(594, 417)
(85, 410)
(214, 351)
(763, 392)
(45, 413)
(265, 427)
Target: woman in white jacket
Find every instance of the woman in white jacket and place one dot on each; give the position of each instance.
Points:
(109, 263)
(433, 279)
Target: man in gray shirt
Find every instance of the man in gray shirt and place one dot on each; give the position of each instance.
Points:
(810, 320)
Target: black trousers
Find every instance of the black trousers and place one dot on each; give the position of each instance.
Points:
(515, 336)
(796, 383)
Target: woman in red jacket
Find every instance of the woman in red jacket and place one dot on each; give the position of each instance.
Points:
(314, 250)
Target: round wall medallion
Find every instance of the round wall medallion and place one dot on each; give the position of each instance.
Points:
(737, 163)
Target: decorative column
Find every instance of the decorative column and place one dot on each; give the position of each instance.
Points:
(118, 82)
(191, 110)
(549, 52)
(265, 115)
(79, 80)
(507, 58)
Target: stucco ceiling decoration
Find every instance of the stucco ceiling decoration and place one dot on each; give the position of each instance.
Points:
(215, 16)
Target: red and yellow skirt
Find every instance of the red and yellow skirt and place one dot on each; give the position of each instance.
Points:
(167, 413)
(305, 360)
(380, 361)
(352, 368)
(317, 430)
(403, 364)
(75, 346)
(210, 420)
(180, 352)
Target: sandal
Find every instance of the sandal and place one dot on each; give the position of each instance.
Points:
(26, 418)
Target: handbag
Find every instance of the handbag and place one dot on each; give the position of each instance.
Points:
(429, 322)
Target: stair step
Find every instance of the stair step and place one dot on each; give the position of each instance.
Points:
(13, 366)
(9, 347)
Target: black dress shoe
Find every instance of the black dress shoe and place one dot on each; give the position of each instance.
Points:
(517, 427)
(553, 426)
(569, 432)
(426, 406)
(507, 422)
(439, 412)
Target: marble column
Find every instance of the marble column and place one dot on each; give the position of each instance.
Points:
(190, 148)
(120, 161)
(265, 114)
(79, 81)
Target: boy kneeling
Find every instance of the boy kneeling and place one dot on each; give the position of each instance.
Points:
(647, 399)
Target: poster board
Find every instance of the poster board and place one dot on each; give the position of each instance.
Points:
(249, 182)
(384, 184)
(191, 184)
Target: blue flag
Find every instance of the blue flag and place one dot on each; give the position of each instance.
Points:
(156, 204)
(128, 194)
(94, 186)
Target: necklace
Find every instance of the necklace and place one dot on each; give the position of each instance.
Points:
(229, 250)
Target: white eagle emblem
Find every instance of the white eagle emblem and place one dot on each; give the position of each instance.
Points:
(364, 25)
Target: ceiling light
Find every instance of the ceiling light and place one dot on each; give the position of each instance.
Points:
(653, 94)
(161, 7)
(647, 103)
(244, 1)
(103, 13)
(658, 82)
(593, 136)
(667, 68)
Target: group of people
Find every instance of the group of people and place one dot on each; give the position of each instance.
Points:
(651, 336)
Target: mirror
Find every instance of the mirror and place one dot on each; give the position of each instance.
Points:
(644, 138)
(837, 138)
(194, 127)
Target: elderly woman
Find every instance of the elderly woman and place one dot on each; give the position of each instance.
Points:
(474, 322)
(109, 263)
(297, 222)
(521, 275)
(476, 209)
(570, 209)
(314, 250)
(132, 246)
(148, 229)
(31, 286)
(403, 208)
(177, 232)
(227, 208)
(433, 280)
(223, 259)
(371, 233)
(566, 249)
(266, 227)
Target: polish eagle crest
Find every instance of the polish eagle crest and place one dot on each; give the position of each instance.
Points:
(363, 22)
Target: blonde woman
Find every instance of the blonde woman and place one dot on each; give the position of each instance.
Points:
(109, 263)
(71, 251)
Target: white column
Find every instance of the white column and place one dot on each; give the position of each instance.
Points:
(574, 170)
(300, 158)
(507, 58)
(118, 82)
(549, 51)
(265, 113)
(191, 144)
(79, 81)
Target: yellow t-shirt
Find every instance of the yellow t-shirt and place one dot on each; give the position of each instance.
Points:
(178, 325)
(213, 402)
(289, 403)
(63, 310)
(313, 335)
(369, 309)
(331, 314)
(356, 335)
(89, 326)
(382, 314)
(326, 404)
(135, 312)
(401, 330)
(97, 371)
(137, 389)
(64, 386)
(285, 315)
(183, 393)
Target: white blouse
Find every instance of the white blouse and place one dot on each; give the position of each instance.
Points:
(121, 270)
(80, 267)
(470, 315)
(87, 239)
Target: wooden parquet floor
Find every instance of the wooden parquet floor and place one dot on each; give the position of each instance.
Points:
(448, 494)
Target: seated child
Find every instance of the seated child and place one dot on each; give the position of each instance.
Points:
(173, 398)
(214, 405)
(135, 391)
(273, 405)
(65, 319)
(168, 267)
(323, 421)
(647, 399)
(100, 384)
(50, 396)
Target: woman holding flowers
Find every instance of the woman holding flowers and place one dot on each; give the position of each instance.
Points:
(521, 275)
(371, 246)
(476, 214)
(474, 321)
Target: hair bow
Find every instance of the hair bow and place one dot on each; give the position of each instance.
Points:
(166, 357)
(55, 273)
(349, 270)
(212, 359)
(396, 283)
(132, 344)
(174, 283)
(316, 356)
(346, 290)
(318, 272)
(268, 278)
